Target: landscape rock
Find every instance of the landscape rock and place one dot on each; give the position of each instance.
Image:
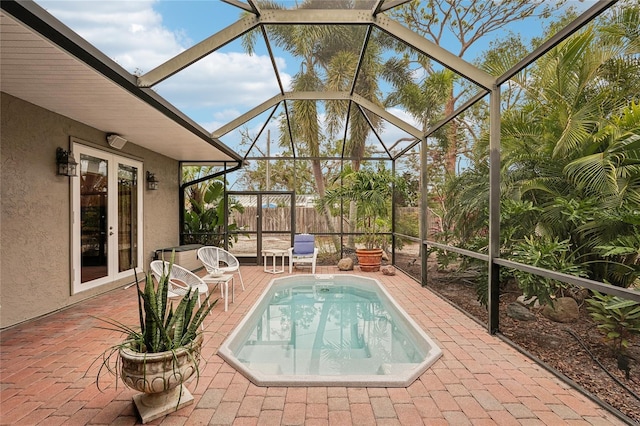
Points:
(530, 302)
(564, 309)
(580, 294)
(345, 264)
(519, 312)
(388, 270)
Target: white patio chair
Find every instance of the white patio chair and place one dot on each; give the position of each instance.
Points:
(303, 251)
(181, 280)
(215, 258)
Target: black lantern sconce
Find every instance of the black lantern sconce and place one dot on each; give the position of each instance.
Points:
(152, 182)
(67, 165)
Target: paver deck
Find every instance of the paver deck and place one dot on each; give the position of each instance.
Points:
(47, 379)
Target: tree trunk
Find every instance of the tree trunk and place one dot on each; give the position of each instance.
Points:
(451, 154)
(317, 175)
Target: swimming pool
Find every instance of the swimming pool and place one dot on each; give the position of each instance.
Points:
(328, 330)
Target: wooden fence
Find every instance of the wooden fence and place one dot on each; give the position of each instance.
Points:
(309, 220)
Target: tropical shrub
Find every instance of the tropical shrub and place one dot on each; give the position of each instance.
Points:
(546, 253)
(372, 192)
(570, 158)
(616, 317)
(204, 218)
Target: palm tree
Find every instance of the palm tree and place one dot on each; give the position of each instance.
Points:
(305, 42)
(329, 56)
(442, 20)
(571, 151)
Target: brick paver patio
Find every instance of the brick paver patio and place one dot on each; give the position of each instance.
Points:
(47, 378)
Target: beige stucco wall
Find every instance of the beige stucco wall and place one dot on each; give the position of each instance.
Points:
(35, 252)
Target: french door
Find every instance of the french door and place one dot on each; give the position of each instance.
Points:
(107, 218)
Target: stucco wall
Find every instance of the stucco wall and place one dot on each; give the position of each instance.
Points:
(35, 252)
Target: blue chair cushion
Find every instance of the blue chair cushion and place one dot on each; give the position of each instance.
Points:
(303, 245)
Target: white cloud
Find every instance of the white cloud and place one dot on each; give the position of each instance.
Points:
(223, 80)
(132, 34)
(404, 116)
(129, 32)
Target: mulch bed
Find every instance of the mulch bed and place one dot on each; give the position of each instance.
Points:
(573, 350)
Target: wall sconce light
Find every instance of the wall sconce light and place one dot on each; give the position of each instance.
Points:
(152, 182)
(67, 165)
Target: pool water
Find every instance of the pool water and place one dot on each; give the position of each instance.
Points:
(328, 330)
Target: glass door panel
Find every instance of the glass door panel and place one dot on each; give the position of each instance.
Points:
(94, 200)
(107, 218)
(127, 217)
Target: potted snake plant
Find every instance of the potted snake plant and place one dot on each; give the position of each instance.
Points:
(159, 355)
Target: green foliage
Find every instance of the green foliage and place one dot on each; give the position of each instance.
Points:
(407, 223)
(481, 280)
(621, 254)
(445, 258)
(161, 327)
(517, 219)
(546, 253)
(616, 317)
(570, 158)
(466, 204)
(482, 287)
(204, 219)
(372, 192)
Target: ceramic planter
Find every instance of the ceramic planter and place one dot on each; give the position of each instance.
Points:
(369, 259)
(160, 376)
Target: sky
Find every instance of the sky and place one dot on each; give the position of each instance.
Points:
(142, 34)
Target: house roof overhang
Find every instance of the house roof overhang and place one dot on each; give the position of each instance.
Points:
(47, 64)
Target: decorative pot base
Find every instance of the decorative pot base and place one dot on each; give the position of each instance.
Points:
(155, 405)
(369, 268)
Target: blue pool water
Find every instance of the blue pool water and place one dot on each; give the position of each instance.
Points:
(328, 330)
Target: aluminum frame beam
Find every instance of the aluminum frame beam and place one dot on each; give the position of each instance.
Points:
(241, 5)
(386, 24)
(239, 121)
(199, 51)
(401, 124)
(318, 96)
(317, 17)
(493, 300)
(435, 52)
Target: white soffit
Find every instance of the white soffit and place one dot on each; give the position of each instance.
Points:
(40, 72)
